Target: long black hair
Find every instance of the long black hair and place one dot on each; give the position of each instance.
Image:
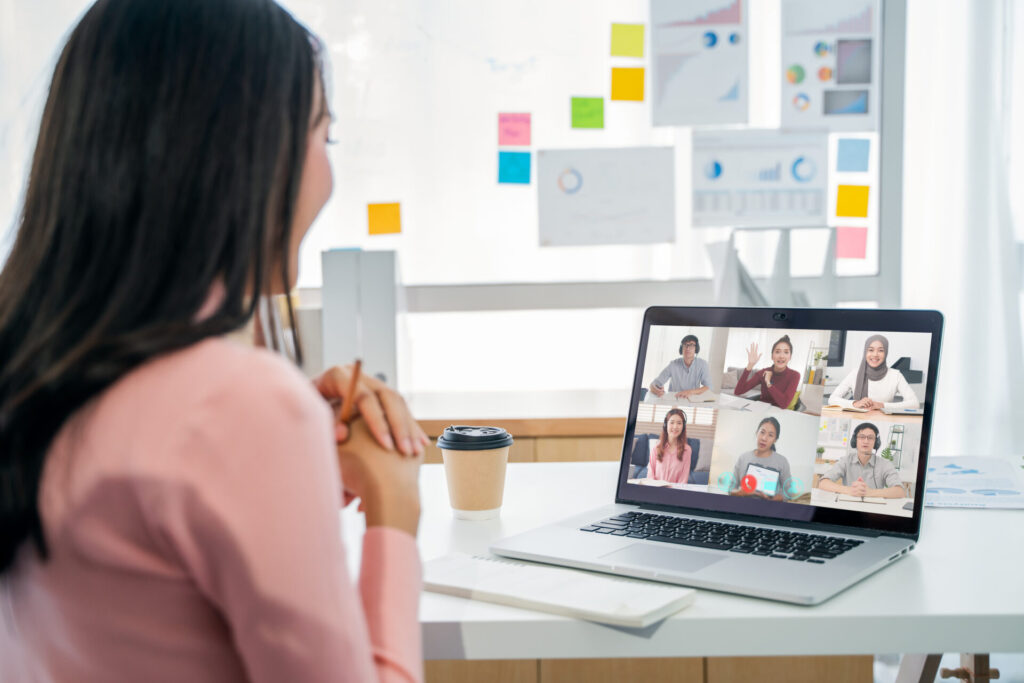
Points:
(169, 159)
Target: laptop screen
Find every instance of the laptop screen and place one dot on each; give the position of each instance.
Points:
(802, 415)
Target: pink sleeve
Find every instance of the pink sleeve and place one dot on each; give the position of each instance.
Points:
(652, 467)
(255, 523)
(687, 459)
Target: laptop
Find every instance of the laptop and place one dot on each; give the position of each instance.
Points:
(769, 492)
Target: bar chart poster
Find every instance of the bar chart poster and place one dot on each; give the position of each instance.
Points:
(830, 64)
(699, 62)
(759, 178)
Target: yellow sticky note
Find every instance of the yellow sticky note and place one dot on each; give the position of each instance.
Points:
(385, 219)
(852, 201)
(628, 84)
(627, 40)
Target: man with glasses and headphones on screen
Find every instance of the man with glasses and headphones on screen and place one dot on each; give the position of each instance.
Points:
(686, 375)
(864, 473)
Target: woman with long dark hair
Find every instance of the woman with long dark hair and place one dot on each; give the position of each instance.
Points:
(778, 381)
(765, 456)
(168, 498)
(670, 459)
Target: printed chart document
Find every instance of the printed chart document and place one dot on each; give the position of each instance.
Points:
(624, 195)
(969, 481)
(759, 178)
(831, 64)
(699, 62)
(568, 592)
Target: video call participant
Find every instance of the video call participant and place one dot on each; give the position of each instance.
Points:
(778, 382)
(686, 375)
(670, 460)
(874, 385)
(864, 473)
(765, 455)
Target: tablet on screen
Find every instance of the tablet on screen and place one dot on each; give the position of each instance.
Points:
(767, 478)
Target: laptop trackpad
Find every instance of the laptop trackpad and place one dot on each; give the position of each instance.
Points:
(675, 559)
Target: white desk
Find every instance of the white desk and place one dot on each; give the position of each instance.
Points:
(961, 590)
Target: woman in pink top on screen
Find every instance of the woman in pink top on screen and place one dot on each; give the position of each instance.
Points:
(670, 460)
(169, 500)
(778, 382)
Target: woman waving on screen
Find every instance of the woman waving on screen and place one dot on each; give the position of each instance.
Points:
(777, 381)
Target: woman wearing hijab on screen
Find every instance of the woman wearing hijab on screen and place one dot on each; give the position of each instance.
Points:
(778, 382)
(874, 385)
(670, 460)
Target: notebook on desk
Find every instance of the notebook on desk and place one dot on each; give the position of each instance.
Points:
(567, 592)
(747, 530)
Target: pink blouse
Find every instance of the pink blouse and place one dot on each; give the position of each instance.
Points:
(671, 468)
(192, 516)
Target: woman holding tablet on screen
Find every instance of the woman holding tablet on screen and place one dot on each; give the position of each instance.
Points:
(778, 382)
(769, 469)
(670, 460)
(874, 385)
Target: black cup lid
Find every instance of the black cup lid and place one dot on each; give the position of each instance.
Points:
(466, 438)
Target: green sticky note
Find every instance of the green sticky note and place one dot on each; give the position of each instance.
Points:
(627, 40)
(588, 112)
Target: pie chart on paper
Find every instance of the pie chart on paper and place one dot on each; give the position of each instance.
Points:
(804, 170)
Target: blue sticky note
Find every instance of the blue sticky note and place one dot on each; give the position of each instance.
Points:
(853, 155)
(514, 167)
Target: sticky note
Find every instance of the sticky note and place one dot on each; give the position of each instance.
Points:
(514, 167)
(852, 156)
(627, 40)
(628, 84)
(852, 201)
(385, 219)
(851, 242)
(514, 129)
(588, 112)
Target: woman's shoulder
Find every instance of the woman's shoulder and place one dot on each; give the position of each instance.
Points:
(213, 384)
(218, 366)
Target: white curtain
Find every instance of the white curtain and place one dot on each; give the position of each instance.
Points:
(960, 254)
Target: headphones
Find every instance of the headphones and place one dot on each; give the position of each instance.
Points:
(672, 413)
(867, 425)
(687, 338)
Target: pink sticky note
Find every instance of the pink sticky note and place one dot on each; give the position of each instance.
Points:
(851, 242)
(514, 129)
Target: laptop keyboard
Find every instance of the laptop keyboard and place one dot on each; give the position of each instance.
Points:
(737, 538)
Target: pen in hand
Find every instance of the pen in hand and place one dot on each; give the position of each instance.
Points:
(349, 401)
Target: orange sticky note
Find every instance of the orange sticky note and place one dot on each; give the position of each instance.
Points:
(852, 201)
(385, 219)
(628, 84)
(851, 242)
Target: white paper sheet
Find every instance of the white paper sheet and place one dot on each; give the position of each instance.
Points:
(830, 64)
(699, 62)
(974, 482)
(606, 196)
(745, 178)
